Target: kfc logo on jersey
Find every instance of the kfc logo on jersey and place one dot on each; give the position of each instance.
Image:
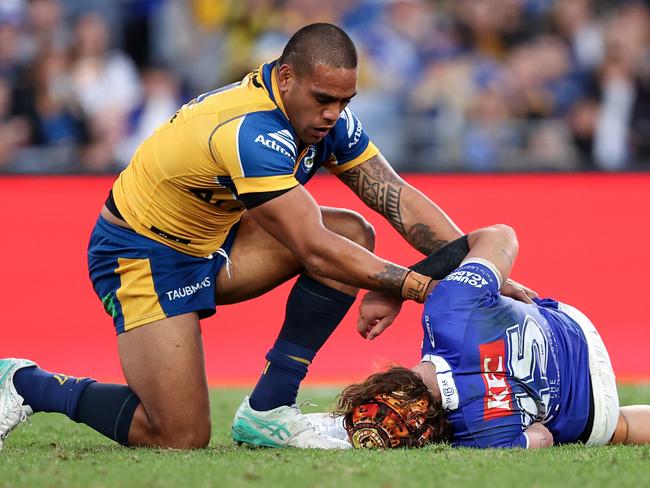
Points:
(467, 277)
(498, 395)
(280, 141)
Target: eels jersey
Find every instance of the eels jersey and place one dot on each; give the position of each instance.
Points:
(503, 364)
(181, 187)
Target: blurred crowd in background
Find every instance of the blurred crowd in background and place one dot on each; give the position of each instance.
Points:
(465, 85)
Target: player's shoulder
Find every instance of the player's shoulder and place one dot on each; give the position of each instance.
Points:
(266, 132)
(348, 129)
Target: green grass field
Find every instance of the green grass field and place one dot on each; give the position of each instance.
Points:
(54, 452)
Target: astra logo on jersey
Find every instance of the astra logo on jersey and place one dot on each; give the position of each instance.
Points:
(467, 277)
(498, 394)
(189, 290)
(280, 141)
(353, 127)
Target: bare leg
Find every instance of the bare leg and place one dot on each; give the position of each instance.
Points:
(633, 425)
(163, 361)
(164, 366)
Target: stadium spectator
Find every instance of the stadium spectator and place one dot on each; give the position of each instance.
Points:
(573, 73)
(622, 122)
(14, 130)
(161, 98)
(107, 87)
(57, 125)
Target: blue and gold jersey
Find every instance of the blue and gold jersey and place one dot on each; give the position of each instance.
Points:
(182, 186)
(503, 364)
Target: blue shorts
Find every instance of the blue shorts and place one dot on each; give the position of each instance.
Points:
(140, 280)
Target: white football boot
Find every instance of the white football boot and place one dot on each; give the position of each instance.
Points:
(281, 427)
(12, 410)
(328, 424)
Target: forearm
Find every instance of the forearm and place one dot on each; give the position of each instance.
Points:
(420, 221)
(423, 224)
(446, 259)
(497, 244)
(339, 259)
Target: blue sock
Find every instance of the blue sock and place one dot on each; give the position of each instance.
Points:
(286, 366)
(313, 311)
(50, 392)
(108, 409)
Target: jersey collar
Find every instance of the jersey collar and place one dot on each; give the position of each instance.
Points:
(270, 80)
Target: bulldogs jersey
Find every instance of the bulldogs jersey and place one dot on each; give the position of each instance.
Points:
(182, 185)
(503, 364)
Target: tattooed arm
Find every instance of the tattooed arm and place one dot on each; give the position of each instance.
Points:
(422, 223)
(295, 220)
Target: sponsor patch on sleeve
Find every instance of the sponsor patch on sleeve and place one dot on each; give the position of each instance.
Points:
(477, 273)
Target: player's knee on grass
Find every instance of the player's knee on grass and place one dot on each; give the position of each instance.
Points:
(184, 434)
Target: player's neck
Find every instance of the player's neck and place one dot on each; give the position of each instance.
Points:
(427, 372)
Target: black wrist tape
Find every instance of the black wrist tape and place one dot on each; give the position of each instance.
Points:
(446, 259)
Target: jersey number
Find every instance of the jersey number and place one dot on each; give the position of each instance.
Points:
(528, 358)
(209, 197)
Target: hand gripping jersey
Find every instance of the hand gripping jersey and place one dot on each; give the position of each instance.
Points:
(182, 185)
(503, 364)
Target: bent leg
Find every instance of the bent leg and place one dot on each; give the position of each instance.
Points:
(315, 307)
(260, 262)
(633, 425)
(27, 389)
(164, 366)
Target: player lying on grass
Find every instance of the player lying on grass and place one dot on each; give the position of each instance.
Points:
(495, 372)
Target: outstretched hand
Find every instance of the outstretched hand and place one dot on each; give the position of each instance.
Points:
(516, 290)
(376, 312)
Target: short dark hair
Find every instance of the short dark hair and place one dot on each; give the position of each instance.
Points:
(319, 43)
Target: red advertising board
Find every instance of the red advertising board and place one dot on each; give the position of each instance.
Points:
(583, 240)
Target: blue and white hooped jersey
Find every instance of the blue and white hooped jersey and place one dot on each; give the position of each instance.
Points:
(503, 364)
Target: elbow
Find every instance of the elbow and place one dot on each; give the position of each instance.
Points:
(507, 236)
(312, 256)
(314, 263)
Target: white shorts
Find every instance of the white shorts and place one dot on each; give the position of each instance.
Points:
(603, 380)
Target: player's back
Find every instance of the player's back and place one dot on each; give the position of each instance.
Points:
(508, 364)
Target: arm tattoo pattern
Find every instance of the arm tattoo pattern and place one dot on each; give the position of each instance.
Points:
(424, 239)
(391, 279)
(379, 188)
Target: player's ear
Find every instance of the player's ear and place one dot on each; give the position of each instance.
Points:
(286, 77)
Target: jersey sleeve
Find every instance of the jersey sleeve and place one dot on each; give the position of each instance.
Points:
(258, 152)
(449, 307)
(352, 146)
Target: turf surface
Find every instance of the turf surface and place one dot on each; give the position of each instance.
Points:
(54, 452)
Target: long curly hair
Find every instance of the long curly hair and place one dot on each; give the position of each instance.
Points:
(410, 387)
